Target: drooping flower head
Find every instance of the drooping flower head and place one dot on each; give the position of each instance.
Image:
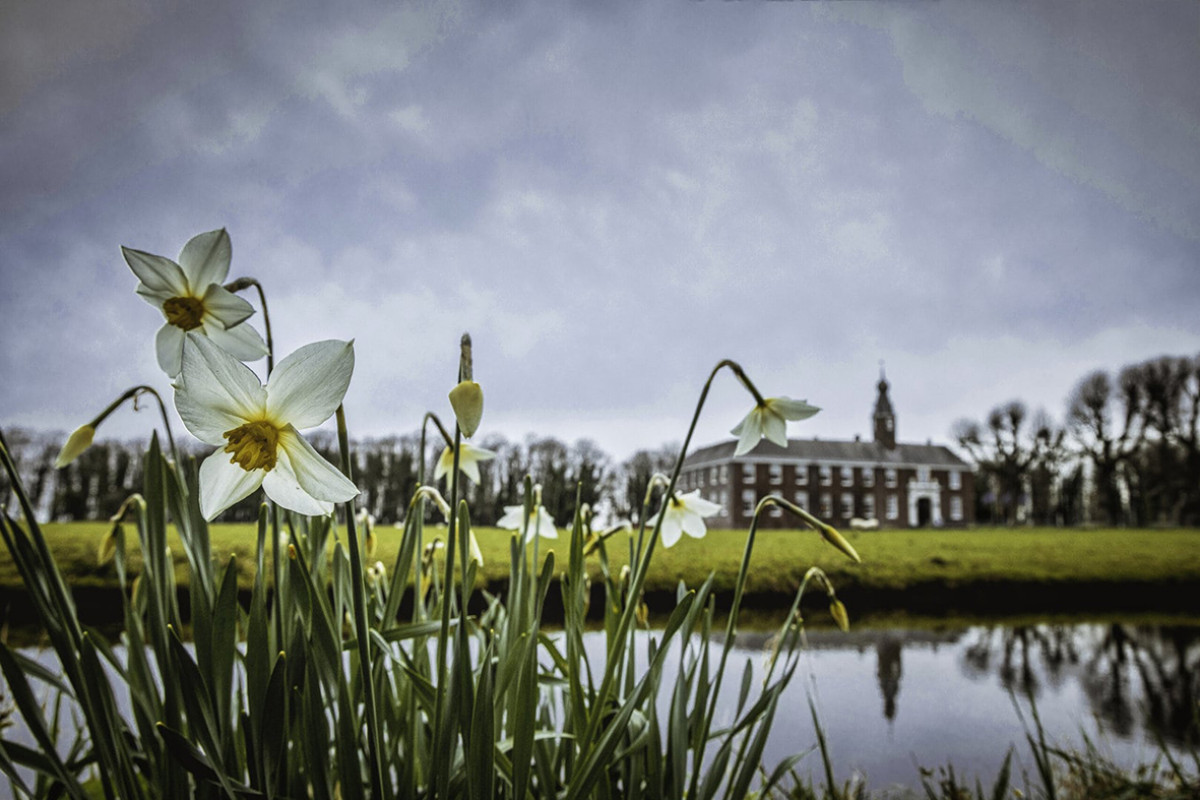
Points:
(540, 523)
(684, 513)
(769, 419)
(257, 427)
(468, 461)
(191, 298)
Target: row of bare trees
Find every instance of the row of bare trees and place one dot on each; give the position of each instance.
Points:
(387, 470)
(1126, 452)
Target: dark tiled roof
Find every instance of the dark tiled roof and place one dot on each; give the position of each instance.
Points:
(830, 450)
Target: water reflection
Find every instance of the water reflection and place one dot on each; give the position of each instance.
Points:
(1134, 677)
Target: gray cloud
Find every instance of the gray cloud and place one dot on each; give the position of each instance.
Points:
(612, 200)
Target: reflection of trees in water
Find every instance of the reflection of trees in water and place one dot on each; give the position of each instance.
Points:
(1164, 662)
(1024, 657)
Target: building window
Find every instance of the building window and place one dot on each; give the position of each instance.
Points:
(776, 473)
(700, 478)
(889, 479)
(749, 501)
(868, 477)
(955, 480)
(869, 506)
(712, 476)
(724, 474)
(893, 507)
(923, 474)
(802, 475)
(847, 476)
(802, 500)
(956, 507)
(826, 475)
(747, 473)
(847, 505)
(775, 511)
(826, 504)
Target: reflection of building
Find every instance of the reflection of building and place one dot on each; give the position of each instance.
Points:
(887, 670)
(901, 485)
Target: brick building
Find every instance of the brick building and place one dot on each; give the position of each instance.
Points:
(900, 485)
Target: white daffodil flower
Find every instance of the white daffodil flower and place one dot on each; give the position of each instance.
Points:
(684, 513)
(468, 461)
(541, 523)
(769, 419)
(223, 403)
(190, 296)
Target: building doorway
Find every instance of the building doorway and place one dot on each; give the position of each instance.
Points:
(924, 512)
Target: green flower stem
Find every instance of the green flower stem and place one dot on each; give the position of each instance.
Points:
(246, 283)
(276, 557)
(360, 621)
(641, 564)
(440, 736)
(134, 393)
(430, 416)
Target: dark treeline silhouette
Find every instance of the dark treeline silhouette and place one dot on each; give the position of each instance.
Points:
(1126, 452)
(386, 469)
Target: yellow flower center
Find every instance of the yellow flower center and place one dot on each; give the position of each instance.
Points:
(253, 445)
(184, 312)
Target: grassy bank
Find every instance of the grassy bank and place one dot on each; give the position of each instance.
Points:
(985, 569)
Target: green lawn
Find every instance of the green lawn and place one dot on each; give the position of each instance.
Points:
(892, 560)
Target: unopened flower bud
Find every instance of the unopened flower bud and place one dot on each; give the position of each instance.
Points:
(78, 441)
(467, 401)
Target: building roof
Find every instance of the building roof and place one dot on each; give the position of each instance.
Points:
(934, 455)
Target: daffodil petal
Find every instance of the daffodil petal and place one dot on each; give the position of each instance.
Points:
(168, 348)
(791, 409)
(469, 467)
(705, 508)
(308, 386)
(670, 532)
(225, 306)
(205, 258)
(241, 341)
(316, 476)
(154, 298)
(545, 524)
(512, 519)
(775, 429)
(215, 392)
(223, 483)
(750, 435)
(445, 463)
(693, 524)
(282, 485)
(159, 275)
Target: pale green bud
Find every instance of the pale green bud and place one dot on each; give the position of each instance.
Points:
(467, 401)
(78, 441)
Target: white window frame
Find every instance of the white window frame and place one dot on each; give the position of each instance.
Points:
(846, 477)
(956, 509)
(869, 506)
(955, 481)
(891, 478)
(826, 504)
(826, 474)
(868, 477)
(846, 506)
(802, 474)
(775, 474)
(893, 506)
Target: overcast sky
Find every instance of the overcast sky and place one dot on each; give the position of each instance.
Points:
(993, 199)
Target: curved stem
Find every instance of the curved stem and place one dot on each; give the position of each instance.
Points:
(429, 415)
(246, 283)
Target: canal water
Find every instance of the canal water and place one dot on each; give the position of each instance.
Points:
(893, 700)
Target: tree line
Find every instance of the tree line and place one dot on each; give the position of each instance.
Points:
(386, 469)
(1125, 453)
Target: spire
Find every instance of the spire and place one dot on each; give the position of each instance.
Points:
(884, 417)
